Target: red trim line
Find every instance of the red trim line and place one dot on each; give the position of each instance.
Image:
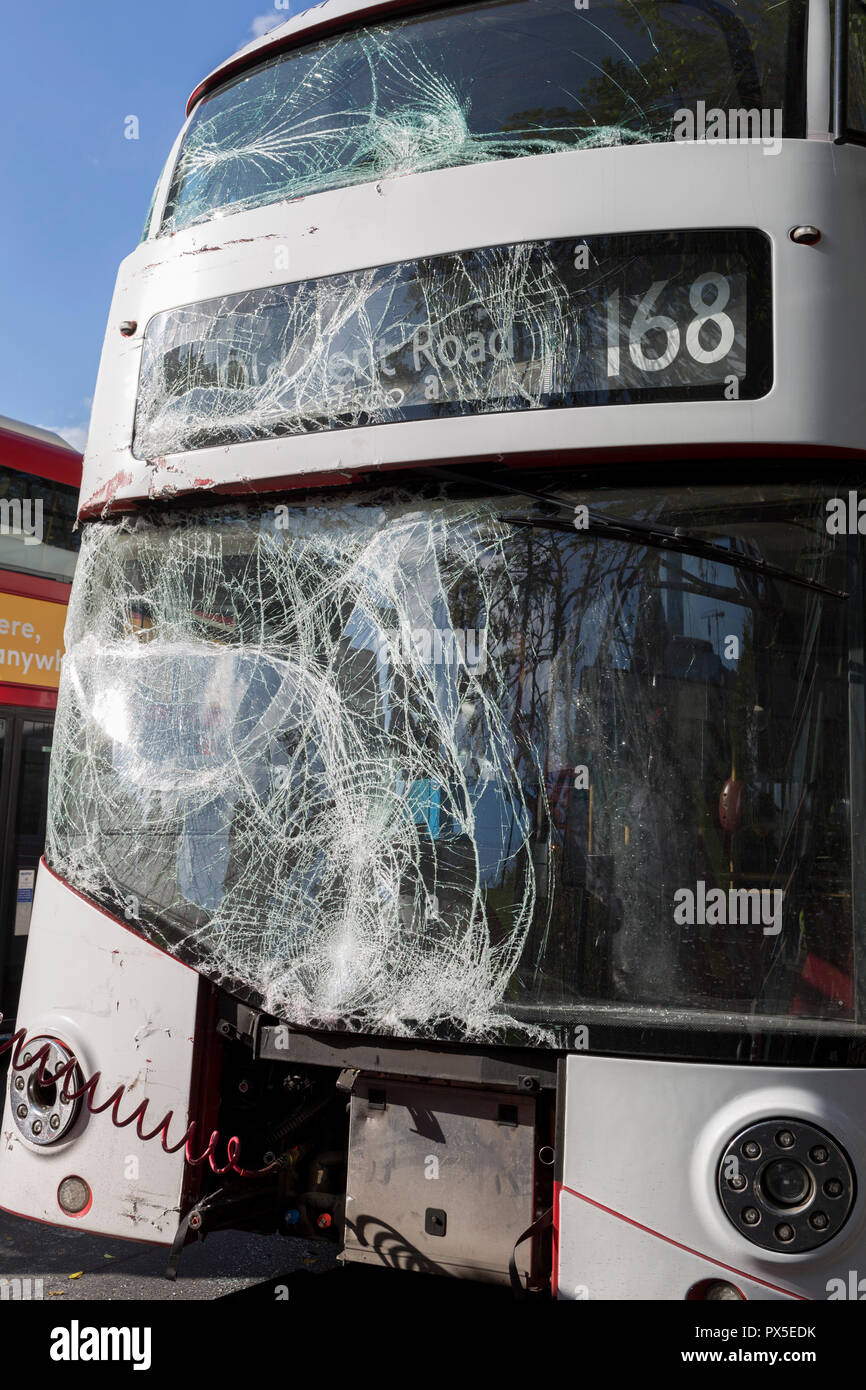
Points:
(558, 1189)
(116, 920)
(27, 455)
(62, 1226)
(720, 1264)
(29, 696)
(34, 586)
(553, 458)
(254, 487)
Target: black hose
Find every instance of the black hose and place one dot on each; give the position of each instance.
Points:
(299, 1117)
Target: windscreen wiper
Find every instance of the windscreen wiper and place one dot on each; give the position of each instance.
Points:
(640, 532)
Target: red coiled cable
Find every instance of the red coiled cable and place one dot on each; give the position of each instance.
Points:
(88, 1090)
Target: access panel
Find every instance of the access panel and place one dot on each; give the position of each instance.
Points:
(440, 1178)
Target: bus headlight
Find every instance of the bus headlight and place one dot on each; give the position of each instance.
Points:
(786, 1185)
(74, 1196)
(41, 1111)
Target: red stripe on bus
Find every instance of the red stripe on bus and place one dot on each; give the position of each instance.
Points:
(732, 1269)
(34, 586)
(28, 696)
(28, 455)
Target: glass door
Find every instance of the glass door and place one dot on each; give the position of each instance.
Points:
(25, 751)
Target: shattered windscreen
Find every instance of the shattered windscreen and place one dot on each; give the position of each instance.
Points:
(471, 83)
(597, 321)
(406, 762)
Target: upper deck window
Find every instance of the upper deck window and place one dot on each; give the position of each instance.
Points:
(37, 519)
(857, 67)
(480, 82)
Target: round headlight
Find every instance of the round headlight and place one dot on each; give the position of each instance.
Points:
(74, 1196)
(786, 1185)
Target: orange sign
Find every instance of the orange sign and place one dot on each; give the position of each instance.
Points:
(31, 641)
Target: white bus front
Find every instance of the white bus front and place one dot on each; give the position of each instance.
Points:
(460, 750)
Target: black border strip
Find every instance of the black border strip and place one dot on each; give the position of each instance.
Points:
(751, 243)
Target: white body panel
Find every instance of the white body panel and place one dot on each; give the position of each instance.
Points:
(816, 401)
(643, 1141)
(125, 1009)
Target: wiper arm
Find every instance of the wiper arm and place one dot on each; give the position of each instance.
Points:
(642, 533)
(598, 524)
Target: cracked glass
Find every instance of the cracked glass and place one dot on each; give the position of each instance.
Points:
(593, 321)
(473, 83)
(434, 762)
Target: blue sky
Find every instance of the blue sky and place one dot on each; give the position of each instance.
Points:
(76, 191)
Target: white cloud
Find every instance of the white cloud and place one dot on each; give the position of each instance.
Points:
(263, 22)
(76, 435)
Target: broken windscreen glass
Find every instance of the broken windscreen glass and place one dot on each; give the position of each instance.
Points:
(592, 321)
(479, 82)
(393, 763)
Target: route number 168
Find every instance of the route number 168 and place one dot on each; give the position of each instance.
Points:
(645, 321)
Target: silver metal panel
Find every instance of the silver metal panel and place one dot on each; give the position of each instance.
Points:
(478, 1066)
(639, 1216)
(439, 1149)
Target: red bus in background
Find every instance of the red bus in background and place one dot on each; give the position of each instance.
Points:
(40, 475)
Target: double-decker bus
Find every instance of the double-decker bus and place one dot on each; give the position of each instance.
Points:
(461, 747)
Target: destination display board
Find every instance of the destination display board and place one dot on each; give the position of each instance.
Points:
(578, 321)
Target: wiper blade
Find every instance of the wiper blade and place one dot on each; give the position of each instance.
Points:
(598, 524)
(642, 533)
